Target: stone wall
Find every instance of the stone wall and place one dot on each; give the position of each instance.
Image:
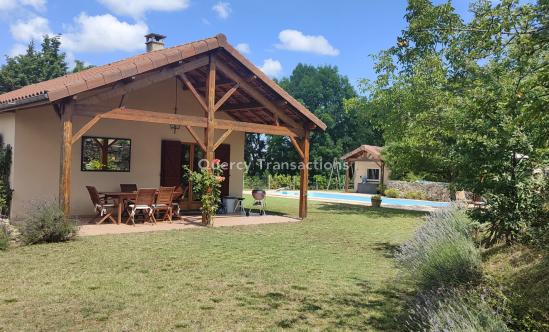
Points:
(436, 191)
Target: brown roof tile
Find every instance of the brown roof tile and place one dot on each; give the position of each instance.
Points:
(95, 77)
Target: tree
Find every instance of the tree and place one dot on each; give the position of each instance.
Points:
(36, 65)
(331, 97)
(466, 103)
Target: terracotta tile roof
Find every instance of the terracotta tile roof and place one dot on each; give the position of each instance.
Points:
(71, 84)
(373, 151)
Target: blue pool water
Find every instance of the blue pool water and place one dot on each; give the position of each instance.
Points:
(365, 198)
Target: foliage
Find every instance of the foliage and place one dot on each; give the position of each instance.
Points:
(453, 310)
(255, 182)
(36, 65)
(414, 195)
(332, 98)
(4, 237)
(465, 103)
(46, 222)
(255, 149)
(5, 171)
(207, 183)
(279, 181)
(442, 252)
(80, 66)
(320, 182)
(392, 192)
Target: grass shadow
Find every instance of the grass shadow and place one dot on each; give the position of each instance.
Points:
(389, 250)
(367, 210)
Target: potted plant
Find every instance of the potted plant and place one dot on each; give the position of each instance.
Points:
(207, 183)
(376, 201)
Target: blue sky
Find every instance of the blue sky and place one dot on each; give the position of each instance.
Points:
(275, 35)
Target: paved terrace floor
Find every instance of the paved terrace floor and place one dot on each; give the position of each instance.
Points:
(186, 222)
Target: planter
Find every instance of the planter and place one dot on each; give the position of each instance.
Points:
(376, 201)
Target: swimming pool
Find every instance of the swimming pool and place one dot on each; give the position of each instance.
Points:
(363, 198)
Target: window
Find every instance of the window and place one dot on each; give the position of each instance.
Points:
(373, 174)
(105, 154)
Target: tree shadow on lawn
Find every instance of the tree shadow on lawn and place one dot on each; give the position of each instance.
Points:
(363, 309)
(389, 250)
(366, 210)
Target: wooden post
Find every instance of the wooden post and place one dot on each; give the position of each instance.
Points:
(382, 178)
(66, 154)
(347, 176)
(210, 129)
(304, 174)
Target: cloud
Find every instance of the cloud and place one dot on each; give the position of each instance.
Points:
(103, 33)
(34, 28)
(137, 8)
(7, 5)
(223, 9)
(294, 40)
(271, 68)
(243, 48)
(18, 49)
(36, 4)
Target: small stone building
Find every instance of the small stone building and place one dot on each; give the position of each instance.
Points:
(368, 168)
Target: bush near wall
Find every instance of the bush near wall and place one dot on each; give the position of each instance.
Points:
(435, 191)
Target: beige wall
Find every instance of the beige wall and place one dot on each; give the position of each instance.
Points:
(361, 169)
(38, 137)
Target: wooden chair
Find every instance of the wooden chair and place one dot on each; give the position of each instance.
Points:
(128, 187)
(178, 198)
(102, 207)
(143, 202)
(164, 202)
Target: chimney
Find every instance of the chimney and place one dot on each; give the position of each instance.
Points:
(154, 42)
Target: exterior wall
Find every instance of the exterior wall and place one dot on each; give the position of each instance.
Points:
(38, 137)
(361, 169)
(7, 130)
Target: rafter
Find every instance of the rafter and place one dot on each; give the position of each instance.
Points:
(193, 91)
(225, 97)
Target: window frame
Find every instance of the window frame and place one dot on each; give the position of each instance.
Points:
(378, 174)
(83, 169)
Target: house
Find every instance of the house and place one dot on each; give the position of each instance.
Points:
(368, 167)
(140, 119)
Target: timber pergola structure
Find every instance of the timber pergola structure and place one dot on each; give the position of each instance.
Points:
(220, 79)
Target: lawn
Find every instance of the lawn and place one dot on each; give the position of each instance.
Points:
(333, 271)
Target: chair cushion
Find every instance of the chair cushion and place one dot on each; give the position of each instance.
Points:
(160, 205)
(139, 207)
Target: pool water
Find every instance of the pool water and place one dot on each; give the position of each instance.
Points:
(365, 198)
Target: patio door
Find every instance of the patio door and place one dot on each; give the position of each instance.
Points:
(176, 154)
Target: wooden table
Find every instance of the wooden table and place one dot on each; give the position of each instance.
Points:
(119, 198)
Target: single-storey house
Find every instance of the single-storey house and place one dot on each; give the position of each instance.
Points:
(368, 168)
(140, 119)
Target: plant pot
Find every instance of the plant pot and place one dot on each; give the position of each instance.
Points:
(376, 203)
(207, 220)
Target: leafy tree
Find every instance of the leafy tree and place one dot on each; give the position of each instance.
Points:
(80, 66)
(36, 65)
(466, 103)
(254, 153)
(331, 97)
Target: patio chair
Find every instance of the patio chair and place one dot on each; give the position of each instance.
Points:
(102, 207)
(143, 202)
(178, 198)
(128, 187)
(164, 202)
(259, 203)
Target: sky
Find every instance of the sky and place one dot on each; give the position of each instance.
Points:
(274, 35)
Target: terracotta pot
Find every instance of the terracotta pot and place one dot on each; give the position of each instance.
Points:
(376, 202)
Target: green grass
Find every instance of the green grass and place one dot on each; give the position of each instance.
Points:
(333, 271)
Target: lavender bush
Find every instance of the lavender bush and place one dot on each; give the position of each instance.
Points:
(453, 310)
(442, 252)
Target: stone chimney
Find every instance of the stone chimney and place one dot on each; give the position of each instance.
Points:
(154, 42)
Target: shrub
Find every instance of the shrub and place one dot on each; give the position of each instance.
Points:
(320, 181)
(4, 238)
(255, 182)
(47, 223)
(392, 192)
(442, 251)
(453, 310)
(414, 195)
